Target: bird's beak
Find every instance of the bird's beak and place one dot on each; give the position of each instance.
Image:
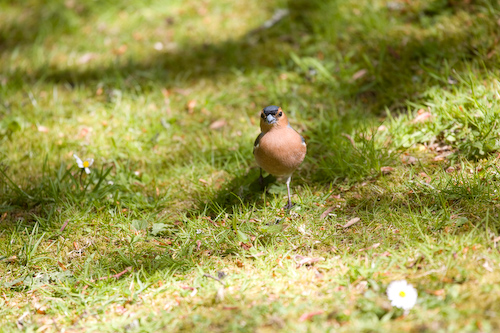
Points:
(270, 119)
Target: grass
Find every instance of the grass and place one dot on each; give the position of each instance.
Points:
(398, 102)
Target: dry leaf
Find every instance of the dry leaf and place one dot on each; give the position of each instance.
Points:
(42, 129)
(308, 316)
(302, 229)
(219, 296)
(487, 266)
(230, 307)
(261, 253)
(424, 175)
(359, 74)
(11, 259)
(301, 260)
(246, 246)
(422, 116)
(386, 170)
(239, 263)
(191, 105)
(218, 124)
(158, 46)
(198, 245)
(351, 222)
(120, 50)
(374, 246)
(326, 212)
(439, 292)
(409, 160)
(86, 58)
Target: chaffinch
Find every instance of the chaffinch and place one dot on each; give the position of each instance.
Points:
(278, 149)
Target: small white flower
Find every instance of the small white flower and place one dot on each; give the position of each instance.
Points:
(84, 164)
(402, 294)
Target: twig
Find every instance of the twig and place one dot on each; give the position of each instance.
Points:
(279, 15)
(116, 276)
(64, 226)
(350, 139)
(216, 279)
(164, 123)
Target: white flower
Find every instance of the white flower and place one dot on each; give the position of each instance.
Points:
(84, 164)
(402, 294)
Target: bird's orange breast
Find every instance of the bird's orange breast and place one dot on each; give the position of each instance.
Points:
(280, 151)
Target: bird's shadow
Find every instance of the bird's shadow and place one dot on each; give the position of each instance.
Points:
(244, 190)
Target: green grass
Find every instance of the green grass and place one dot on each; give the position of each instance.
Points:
(165, 97)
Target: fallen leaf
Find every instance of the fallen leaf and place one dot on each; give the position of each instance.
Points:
(219, 296)
(198, 245)
(246, 246)
(359, 74)
(301, 260)
(261, 253)
(86, 58)
(62, 266)
(351, 222)
(422, 116)
(11, 259)
(326, 212)
(374, 246)
(239, 263)
(218, 124)
(42, 129)
(302, 229)
(308, 316)
(439, 292)
(191, 105)
(120, 50)
(386, 170)
(187, 287)
(424, 175)
(409, 160)
(158, 46)
(450, 169)
(85, 131)
(487, 266)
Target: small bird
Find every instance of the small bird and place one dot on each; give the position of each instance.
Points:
(278, 149)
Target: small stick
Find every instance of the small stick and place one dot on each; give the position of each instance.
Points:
(350, 139)
(216, 279)
(64, 226)
(116, 276)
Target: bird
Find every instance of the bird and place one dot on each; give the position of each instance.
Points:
(278, 149)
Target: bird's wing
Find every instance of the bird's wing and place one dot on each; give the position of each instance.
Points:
(257, 141)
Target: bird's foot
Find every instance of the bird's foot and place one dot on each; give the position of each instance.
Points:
(261, 183)
(288, 206)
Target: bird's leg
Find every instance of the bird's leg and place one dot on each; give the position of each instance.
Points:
(261, 180)
(289, 204)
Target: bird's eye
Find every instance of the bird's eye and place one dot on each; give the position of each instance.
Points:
(281, 113)
(262, 115)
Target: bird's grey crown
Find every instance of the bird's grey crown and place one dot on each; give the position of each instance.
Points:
(271, 109)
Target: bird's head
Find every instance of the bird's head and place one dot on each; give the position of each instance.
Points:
(272, 116)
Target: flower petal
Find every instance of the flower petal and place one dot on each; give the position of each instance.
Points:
(90, 160)
(87, 170)
(79, 161)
